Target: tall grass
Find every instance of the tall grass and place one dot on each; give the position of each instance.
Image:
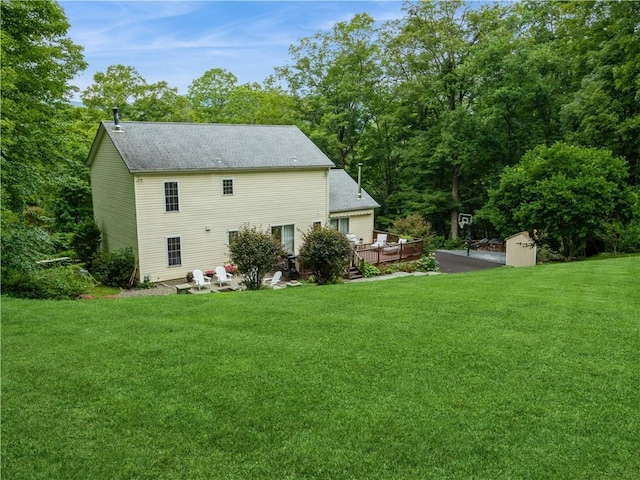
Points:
(505, 373)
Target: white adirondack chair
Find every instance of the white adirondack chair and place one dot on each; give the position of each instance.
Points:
(201, 280)
(222, 276)
(273, 282)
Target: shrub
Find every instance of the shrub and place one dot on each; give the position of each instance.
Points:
(370, 270)
(427, 263)
(145, 285)
(408, 267)
(325, 253)
(255, 253)
(57, 283)
(22, 244)
(115, 269)
(631, 238)
(86, 241)
(415, 225)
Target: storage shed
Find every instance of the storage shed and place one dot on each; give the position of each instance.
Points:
(521, 250)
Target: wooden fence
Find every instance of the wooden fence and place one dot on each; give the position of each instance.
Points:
(393, 251)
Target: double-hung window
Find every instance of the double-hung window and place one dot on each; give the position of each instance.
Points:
(285, 235)
(174, 251)
(227, 186)
(232, 235)
(171, 200)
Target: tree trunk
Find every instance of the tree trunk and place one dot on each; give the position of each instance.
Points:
(455, 197)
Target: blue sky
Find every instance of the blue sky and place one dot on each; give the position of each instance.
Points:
(177, 41)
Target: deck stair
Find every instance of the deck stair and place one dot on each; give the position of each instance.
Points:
(353, 273)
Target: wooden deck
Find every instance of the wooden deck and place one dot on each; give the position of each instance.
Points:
(392, 252)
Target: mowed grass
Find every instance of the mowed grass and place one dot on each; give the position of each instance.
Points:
(501, 374)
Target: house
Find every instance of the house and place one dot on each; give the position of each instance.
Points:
(177, 193)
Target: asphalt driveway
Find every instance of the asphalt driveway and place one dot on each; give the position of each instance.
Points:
(456, 261)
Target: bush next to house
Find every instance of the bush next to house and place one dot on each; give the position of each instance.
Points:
(370, 270)
(86, 241)
(325, 253)
(114, 269)
(255, 253)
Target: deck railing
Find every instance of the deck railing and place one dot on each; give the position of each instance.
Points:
(393, 251)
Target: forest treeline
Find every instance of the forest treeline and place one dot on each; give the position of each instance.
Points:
(525, 114)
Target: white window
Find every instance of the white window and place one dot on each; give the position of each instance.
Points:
(174, 251)
(340, 224)
(227, 186)
(171, 200)
(232, 235)
(284, 234)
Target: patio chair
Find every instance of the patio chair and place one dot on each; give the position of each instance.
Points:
(352, 237)
(273, 282)
(201, 280)
(381, 240)
(222, 276)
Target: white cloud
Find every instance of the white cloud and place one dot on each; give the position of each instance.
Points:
(178, 41)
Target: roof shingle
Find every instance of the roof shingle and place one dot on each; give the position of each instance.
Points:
(343, 193)
(161, 147)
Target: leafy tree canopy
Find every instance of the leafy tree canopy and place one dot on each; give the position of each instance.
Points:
(38, 62)
(568, 194)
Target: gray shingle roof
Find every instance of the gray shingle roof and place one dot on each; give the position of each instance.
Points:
(343, 193)
(161, 147)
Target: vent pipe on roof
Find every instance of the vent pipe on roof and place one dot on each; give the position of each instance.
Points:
(116, 120)
(360, 181)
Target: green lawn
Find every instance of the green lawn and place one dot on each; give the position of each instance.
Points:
(500, 374)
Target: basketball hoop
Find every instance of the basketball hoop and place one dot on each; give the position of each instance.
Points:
(464, 219)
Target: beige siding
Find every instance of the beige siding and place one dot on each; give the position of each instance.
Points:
(521, 250)
(206, 215)
(360, 223)
(112, 190)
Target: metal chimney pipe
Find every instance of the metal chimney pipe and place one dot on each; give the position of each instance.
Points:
(360, 181)
(116, 118)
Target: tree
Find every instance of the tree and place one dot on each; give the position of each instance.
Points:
(431, 58)
(570, 195)
(603, 110)
(334, 75)
(253, 104)
(161, 103)
(255, 253)
(120, 86)
(86, 242)
(123, 87)
(38, 63)
(73, 203)
(326, 253)
(209, 94)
